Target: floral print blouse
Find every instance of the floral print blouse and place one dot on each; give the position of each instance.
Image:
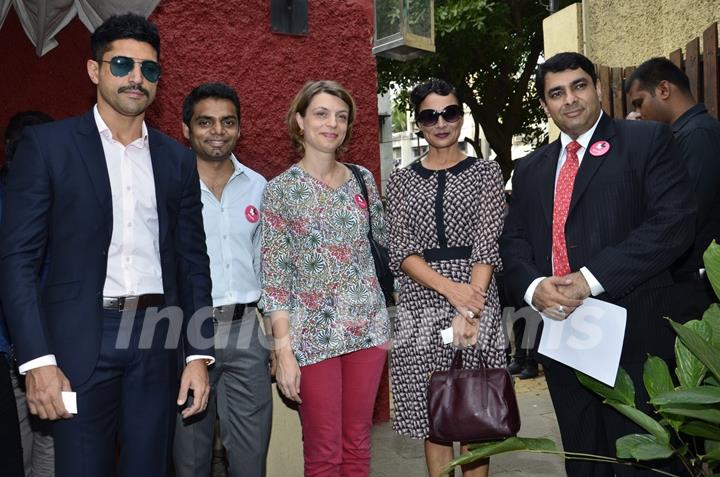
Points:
(317, 264)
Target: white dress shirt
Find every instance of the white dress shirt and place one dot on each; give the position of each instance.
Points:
(133, 266)
(233, 237)
(596, 287)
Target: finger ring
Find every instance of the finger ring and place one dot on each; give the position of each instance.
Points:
(470, 314)
(561, 309)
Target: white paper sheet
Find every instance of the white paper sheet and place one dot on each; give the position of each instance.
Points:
(589, 340)
(70, 401)
(447, 335)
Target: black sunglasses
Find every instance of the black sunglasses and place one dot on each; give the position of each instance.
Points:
(122, 65)
(429, 117)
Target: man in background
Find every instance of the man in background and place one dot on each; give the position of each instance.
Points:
(660, 91)
(35, 434)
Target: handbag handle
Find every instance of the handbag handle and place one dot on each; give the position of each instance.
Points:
(359, 178)
(457, 362)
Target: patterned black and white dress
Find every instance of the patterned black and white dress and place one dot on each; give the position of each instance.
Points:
(453, 218)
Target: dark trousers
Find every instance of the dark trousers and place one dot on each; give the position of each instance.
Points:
(241, 397)
(126, 410)
(11, 462)
(589, 426)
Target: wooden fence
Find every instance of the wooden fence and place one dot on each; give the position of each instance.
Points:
(702, 70)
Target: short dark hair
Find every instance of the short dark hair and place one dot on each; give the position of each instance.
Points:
(432, 85)
(15, 126)
(121, 27)
(653, 71)
(205, 91)
(562, 62)
(13, 132)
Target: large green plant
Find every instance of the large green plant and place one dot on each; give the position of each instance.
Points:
(686, 421)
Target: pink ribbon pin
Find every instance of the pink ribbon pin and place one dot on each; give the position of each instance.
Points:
(252, 214)
(360, 201)
(600, 148)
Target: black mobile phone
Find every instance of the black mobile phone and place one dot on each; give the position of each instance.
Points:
(189, 400)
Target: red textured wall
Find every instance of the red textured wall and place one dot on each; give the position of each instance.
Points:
(206, 40)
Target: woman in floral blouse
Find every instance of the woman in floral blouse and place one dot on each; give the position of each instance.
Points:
(320, 288)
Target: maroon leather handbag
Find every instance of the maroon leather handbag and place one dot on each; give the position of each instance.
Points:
(471, 405)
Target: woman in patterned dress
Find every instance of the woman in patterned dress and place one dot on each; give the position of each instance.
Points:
(320, 288)
(445, 217)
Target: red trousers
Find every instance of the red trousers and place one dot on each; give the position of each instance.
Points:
(338, 396)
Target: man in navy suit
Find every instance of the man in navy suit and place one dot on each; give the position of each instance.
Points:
(117, 204)
(602, 211)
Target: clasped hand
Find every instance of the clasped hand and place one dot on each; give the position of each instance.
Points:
(466, 298)
(558, 297)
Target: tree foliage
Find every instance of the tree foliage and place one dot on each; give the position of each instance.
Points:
(488, 50)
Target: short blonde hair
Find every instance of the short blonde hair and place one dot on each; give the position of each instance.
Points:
(301, 102)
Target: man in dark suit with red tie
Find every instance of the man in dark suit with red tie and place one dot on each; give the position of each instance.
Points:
(602, 211)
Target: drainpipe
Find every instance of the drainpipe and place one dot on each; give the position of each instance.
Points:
(584, 7)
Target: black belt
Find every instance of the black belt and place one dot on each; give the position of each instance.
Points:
(222, 313)
(447, 253)
(138, 302)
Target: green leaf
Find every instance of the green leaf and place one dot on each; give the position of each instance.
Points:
(699, 345)
(712, 450)
(642, 420)
(698, 411)
(712, 381)
(701, 429)
(642, 447)
(511, 444)
(698, 395)
(711, 259)
(711, 317)
(656, 376)
(623, 392)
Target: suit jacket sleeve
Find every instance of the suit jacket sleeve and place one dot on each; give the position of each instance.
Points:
(667, 229)
(194, 267)
(23, 238)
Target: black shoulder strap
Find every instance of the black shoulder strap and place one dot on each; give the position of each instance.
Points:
(359, 178)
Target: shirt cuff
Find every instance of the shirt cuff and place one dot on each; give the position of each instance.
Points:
(595, 287)
(210, 360)
(531, 291)
(47, 360)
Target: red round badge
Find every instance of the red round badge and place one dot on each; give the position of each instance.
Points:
(252, 214)
(600, 148)
(360, 201)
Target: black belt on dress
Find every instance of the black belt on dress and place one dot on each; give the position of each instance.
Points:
(222, 313)
(447, 253)
(137, 302)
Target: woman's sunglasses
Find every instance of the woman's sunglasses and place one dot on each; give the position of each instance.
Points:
(429, 117)
(122, 65)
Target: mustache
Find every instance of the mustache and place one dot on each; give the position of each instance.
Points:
(135, 87)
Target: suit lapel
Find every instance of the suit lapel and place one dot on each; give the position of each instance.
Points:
(87, 139)
(160, 178)
(590, 164)
(547, 166)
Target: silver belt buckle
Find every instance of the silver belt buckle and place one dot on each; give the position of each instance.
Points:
(220, 312)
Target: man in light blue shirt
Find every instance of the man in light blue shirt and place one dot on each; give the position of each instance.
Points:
(240, 378)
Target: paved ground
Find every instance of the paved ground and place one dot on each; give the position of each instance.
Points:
(395, 456)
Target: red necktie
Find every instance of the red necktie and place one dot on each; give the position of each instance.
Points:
(563, 195)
